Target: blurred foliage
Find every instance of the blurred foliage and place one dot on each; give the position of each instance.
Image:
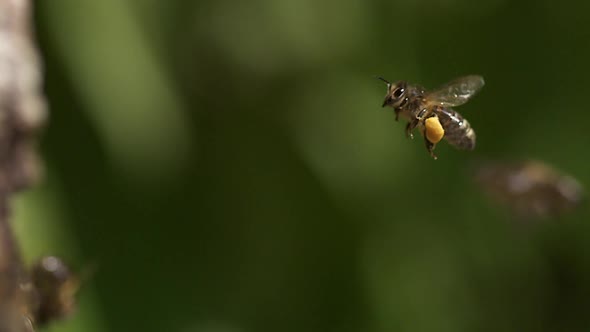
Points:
(227, 165)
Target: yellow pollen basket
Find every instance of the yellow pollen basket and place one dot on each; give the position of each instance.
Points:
(433, 130)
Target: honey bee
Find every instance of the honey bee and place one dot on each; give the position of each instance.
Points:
(33, 297)
(55, 288)
(431, 111)
(530, 189)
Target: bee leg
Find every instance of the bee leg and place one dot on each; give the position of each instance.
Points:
(430, 147)
(421, 115)
(396, 115)
(409, 127)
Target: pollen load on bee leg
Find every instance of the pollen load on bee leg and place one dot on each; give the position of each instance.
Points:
(433, 130)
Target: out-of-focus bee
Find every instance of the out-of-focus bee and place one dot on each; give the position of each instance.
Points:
(31, 298)
(431, 111)
(530, 189)
(55, 287)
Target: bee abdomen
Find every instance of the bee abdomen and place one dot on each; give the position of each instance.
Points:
(458, 131)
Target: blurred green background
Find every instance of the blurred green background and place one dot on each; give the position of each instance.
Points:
(226, 165)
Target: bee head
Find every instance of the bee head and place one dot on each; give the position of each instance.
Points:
(396, 94)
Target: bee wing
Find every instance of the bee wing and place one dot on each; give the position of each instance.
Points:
(456, 92)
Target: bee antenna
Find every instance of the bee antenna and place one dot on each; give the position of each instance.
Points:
(382, 79)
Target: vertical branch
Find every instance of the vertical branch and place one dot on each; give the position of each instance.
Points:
(22, 112)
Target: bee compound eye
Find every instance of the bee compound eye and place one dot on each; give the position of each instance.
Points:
(398, 92)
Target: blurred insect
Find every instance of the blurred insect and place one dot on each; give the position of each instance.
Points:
(56, 287)
(31, 298)
(530, 189)
(431, 111)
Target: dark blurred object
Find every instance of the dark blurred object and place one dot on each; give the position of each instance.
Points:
(44, 295)
(56, 287)
(530, 189)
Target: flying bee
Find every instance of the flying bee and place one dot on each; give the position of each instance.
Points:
(530, 189)
(55, 289)
(431, 111)
(32, 297)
